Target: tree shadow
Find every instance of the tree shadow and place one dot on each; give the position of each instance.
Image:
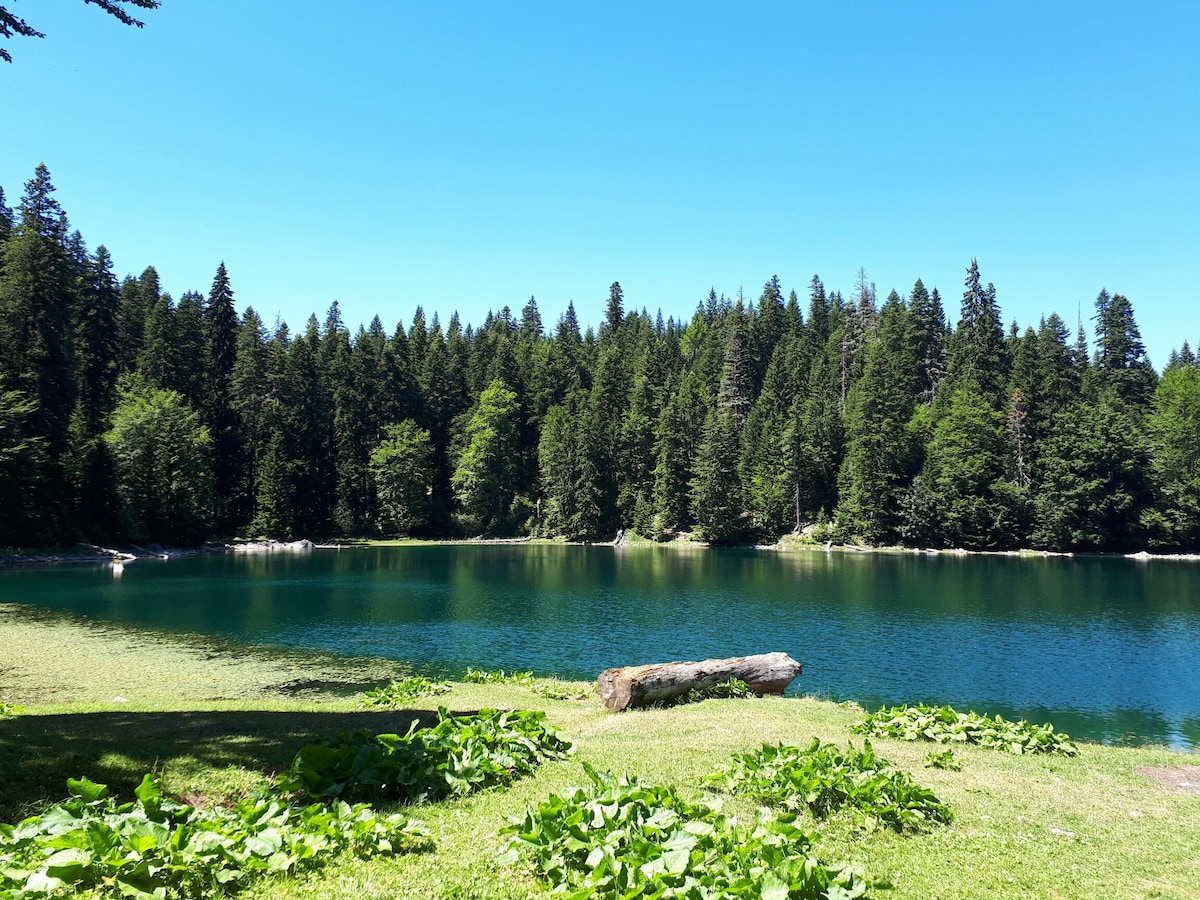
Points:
(39, 753)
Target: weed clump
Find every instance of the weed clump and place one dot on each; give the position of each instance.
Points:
(945, 725)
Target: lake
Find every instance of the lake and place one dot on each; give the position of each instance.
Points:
(1105, 649)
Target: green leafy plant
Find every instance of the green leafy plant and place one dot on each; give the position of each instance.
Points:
(497, 676)
(8, 709)
(617, 838)
(157, 847)
(944, 725)
(734, 688)
(943, 760)
(824, 779)
(564, 690)
(458, 755)
(396, 692)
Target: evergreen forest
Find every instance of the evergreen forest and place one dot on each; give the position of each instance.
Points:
(130, 415)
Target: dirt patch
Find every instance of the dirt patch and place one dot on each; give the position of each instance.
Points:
(1184, 779)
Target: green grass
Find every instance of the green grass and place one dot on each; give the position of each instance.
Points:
(211, 722)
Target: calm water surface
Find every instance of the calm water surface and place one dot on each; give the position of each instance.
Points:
(1106, 649)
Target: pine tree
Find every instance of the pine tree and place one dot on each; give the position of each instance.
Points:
(1095, 483)
(614, 313)
(36, 315)
(954, 502)
(6, 219)
(764, 463)
(813, 440)
(22, 469)
(96, 342)
(875, 471)
(220, 328)
(187, 352)
(929, 336)
(1174, 432)
(484, 471)
(250, 397)
(717, 494)
(1121, 364)
(765, 331)
(138, 297)
(977, 352)
(568, 478)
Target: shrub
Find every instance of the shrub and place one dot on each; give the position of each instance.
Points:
(824, 779)
(396, 692)
(458, 755)
(157, 847)
(944, 725)
(616, 838)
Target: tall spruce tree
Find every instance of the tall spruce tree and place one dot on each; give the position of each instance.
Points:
(929, 335)
(876, 469)
(1174, 431)
(977, 350)
(1121, 364)
(36, 314)
(220, 327)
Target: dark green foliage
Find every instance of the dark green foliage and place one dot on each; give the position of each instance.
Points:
(959, 499)
(402, 467)
(876, 469)
(823, 779)
(484, 474)
(618, 839)
(395, 693)
(161, 452)
(718, 503)
(1174, 428)
(1095, 480)
(1121, 364)
(37, 288)
(571, 507)
(21, 468)
(929, 335)
(944, 725)
(751, 421)
(11, 24)
(457, 756)
(157, 847)
(977, 352)
(733, 689)
(219, 326)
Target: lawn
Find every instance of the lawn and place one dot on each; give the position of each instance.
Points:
(213, 721)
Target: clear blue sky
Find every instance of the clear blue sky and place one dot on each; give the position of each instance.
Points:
(466, 155)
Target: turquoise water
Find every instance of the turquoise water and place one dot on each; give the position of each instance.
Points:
(1106, 649)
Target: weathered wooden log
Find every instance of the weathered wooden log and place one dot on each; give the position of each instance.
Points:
(632, 686)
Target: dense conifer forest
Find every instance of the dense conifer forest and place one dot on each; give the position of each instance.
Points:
(130, 415)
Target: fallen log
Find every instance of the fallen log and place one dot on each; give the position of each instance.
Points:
(632, 686)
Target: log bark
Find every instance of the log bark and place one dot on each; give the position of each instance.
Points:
(633, 686)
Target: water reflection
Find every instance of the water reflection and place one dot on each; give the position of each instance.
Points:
(1106, 649)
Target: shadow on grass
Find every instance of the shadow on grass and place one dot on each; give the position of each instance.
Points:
(39, 753)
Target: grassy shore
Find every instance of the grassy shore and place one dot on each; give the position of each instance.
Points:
(212, 721)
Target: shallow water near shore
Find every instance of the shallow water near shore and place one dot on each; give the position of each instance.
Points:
(1106, 649)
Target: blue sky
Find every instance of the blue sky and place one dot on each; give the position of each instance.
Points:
(467, 155)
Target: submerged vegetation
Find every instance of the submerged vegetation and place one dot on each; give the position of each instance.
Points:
(129, 414)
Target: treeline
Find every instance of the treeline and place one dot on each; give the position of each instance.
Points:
(126, 414)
